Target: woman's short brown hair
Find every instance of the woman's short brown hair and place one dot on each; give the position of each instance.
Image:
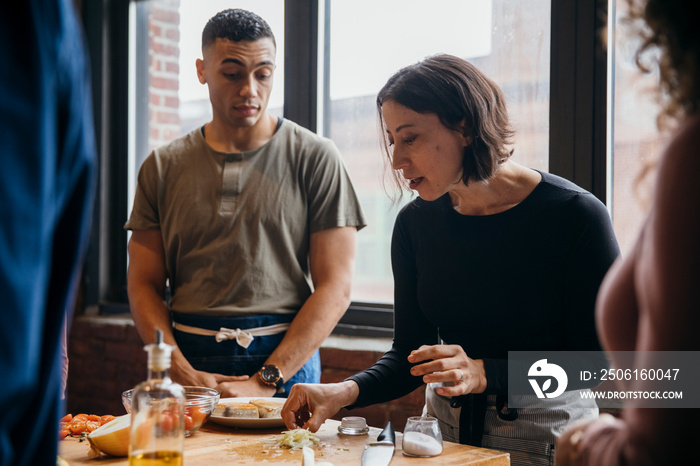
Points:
(459, 94)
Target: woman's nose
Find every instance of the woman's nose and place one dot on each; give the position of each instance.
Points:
(398, 161)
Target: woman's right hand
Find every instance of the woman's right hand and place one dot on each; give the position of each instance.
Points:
(309, 405)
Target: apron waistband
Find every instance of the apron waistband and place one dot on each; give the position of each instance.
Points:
(243, 337)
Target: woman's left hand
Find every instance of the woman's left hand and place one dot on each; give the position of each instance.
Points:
(449, 364)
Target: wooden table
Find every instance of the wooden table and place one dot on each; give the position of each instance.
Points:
(218, 444)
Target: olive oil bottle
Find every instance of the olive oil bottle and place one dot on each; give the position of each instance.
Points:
(157, 434)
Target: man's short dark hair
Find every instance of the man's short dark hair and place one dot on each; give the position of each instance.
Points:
(236, 25)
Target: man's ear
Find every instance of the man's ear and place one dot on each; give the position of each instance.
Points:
(201, 75)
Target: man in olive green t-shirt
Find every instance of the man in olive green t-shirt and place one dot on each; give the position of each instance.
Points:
(252, 221)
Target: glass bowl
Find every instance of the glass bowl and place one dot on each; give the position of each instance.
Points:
(199, 404)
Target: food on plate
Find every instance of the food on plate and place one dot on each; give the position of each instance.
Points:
(252, 409)
(268, 408)
(111, 438)
(296, 439)
(237, 410)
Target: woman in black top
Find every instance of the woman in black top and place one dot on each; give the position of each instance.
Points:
(492, 257)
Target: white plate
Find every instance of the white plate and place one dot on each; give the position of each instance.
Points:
(263, 423)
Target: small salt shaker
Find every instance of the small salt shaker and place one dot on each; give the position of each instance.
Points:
(353, 425)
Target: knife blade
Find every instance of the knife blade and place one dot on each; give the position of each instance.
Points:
(379, 453)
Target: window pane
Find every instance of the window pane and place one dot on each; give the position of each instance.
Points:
(635, 138)
(168, 100)
(369, 40)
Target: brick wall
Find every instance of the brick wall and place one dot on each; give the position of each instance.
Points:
(163, 72)
(106, 357)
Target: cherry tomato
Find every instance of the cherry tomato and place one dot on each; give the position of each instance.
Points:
(198, 415)
(189, 423)
(106, 418)
(67, 418)
(167, 421)
(81, 416)
(78, 426)
(63, 430)
(93, 417)
(92, 425)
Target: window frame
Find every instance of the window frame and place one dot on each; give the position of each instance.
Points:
(577, 146)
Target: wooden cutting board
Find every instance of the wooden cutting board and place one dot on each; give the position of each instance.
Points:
(218, 444)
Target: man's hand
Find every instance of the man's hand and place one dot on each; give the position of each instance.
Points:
(309, 405)
(449, 364)
(250, 387)
(230, 386)
(197, 378)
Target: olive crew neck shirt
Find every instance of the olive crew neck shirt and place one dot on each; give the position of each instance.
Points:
(236, 226)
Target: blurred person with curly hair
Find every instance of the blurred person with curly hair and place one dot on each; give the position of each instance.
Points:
(648, 301)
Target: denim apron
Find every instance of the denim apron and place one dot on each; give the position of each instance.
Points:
(228, 357)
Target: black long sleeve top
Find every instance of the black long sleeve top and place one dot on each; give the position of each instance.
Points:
(525, 279)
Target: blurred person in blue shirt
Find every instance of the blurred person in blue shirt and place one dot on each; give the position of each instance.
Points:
(47, 186)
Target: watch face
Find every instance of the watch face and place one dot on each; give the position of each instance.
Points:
(270, 374)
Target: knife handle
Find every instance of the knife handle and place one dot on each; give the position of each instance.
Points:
(387, 434)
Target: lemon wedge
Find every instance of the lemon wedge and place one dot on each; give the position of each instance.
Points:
(111, 438)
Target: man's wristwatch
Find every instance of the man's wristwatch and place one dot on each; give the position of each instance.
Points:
(272, 375)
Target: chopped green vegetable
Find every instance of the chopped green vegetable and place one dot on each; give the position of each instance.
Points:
(297, 439)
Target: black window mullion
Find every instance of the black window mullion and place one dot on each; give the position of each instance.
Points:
(301, 61)
(578, 93)
(106, 24)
